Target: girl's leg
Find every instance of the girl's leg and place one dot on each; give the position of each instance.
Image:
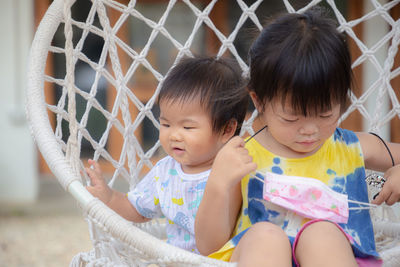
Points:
(323, 243)
(264, 244)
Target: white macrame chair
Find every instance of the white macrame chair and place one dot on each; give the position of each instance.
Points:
(116, 241)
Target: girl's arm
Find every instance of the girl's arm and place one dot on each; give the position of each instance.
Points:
(115, 200)
(218, 211)
(216, 216)
(377, 157)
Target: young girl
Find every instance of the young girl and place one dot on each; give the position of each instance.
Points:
(202, 105)
(300, 72)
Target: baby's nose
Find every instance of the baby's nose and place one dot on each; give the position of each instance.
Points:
(175, 136)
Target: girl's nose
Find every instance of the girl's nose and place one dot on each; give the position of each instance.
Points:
(309, 128)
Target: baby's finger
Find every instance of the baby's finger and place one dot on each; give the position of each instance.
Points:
(95, 166)
(92, 175)
(90, 189)
(95, 177)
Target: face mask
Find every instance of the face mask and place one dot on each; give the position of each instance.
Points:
(307, 197)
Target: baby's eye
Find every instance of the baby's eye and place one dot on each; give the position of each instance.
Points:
(188, 127)
(166, 125)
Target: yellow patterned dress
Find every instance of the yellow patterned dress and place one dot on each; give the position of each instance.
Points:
(339, 163)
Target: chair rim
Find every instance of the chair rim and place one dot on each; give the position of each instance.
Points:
(49, 147)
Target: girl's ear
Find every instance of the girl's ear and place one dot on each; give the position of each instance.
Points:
(257, 103)
(229, 130)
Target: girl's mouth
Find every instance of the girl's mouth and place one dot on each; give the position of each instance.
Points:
(307, 143)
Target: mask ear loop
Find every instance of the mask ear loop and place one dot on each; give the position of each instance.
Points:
(366, 205)
(258, 178)
(387, 148)
(377, 179)
(251, 137)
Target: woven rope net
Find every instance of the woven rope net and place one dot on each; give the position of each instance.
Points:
(132, 37)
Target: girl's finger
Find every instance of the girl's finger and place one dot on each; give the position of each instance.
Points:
(237, 141)
(382, 196)
(392, 199)
(248, 159)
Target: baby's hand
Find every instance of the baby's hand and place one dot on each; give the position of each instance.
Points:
(390, 192)
(98, 186)
(233, 162)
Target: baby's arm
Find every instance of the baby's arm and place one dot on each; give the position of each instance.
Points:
(219, 208)
(115, 200)
(377, 157)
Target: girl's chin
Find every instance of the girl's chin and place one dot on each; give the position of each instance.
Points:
(308, 149)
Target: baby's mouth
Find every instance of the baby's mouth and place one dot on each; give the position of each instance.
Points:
(177, 149)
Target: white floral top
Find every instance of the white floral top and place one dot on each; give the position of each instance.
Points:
(166, 191)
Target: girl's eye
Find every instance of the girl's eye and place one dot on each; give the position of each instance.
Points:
(164, 125)
(188, 128)
(326, 116)
(290, 120)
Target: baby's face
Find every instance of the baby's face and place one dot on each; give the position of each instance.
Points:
(186, 135)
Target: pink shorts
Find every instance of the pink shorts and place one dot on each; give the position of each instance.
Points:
(362, 262)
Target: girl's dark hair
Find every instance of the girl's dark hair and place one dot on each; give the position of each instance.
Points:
(304, 57)
(218, 84)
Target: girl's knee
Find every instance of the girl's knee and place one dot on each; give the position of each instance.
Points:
(267, 230)
(323, 230)
(264, 244)
(326, 241)
(265, 234)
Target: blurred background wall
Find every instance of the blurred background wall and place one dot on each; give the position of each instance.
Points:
(18, 155)
(24, 176)
(21, 166)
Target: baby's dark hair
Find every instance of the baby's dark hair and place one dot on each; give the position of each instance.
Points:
(218, 83)
(304, 57)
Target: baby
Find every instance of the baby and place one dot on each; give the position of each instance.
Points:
(203, 103)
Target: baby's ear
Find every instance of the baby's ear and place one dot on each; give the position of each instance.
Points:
(229, 130)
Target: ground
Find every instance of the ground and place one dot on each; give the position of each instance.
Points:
(46, 233)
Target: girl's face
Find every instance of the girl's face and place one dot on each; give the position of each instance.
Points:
(291, 134)
(186, 134)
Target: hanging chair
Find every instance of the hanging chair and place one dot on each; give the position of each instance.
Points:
(63, 128)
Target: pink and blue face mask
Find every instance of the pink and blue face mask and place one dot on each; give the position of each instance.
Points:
(308, 197)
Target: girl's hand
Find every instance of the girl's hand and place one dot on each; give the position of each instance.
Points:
(390, 192)
(232, 163)
(222, 197)
(98, 186)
